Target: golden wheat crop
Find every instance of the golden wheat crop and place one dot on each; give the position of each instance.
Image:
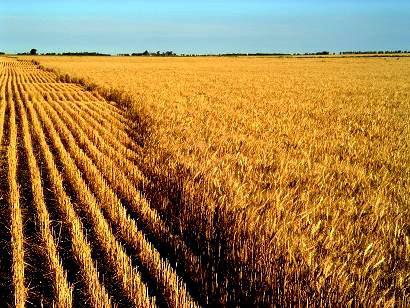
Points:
(296, 156)
(206, 181)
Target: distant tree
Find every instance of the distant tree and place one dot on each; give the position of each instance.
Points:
(33, 51)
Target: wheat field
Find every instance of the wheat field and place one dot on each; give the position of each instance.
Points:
(186, 182)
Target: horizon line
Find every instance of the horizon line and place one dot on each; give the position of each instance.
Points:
(162, 52)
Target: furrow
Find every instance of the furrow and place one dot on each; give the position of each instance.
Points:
(3, 106)
(169, 283)
(6, 292)
(148, 217)
(113, 111)
(97, 120)
(90, 161)
(120, 261)
(107, 117)
(95, 140)
(98, 296)
(62, 289)
(172, 244)
(103, 132)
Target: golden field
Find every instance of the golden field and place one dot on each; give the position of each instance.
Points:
(263, 180)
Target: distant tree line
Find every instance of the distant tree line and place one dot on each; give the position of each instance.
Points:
(383, 52)
(2, 53)
(172, 54)
(318, 53)
(256, 54)
(34, 52)
(151, 54)
(85, 53)
(252, 54)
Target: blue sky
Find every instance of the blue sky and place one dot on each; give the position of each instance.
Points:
(214, 26)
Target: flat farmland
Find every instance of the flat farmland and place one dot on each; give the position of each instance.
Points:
(183, 182)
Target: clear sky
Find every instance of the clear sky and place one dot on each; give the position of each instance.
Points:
(214, 26)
